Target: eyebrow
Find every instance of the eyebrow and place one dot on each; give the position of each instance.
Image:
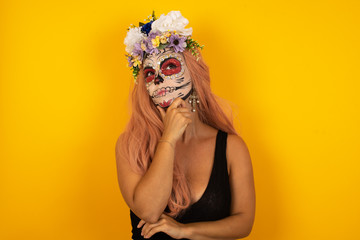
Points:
(157, 59)
(165, 51)
(150, 67)
(166, 59)
(146, 65)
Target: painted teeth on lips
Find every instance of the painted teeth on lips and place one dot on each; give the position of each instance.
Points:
(163, 91)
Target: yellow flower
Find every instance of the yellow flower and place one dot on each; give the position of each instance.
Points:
(143, 46)
(167, 34)
(163, 39)
(156, 41)
(136, 61)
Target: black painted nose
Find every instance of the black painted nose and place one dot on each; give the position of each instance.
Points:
(158, 80)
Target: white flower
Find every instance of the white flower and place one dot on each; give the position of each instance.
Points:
(133, 36)
(173, 21)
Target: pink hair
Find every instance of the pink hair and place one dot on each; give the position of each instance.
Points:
(145, 127)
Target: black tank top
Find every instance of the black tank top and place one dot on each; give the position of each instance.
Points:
(213, 205)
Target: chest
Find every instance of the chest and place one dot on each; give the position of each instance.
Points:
(197, 164)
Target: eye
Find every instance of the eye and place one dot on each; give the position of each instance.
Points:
(149, 74)
(170, 66)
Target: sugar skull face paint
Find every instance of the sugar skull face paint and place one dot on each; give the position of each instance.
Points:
(166, 77)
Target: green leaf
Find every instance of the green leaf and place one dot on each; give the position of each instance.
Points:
(161, 46)
(141, 24)
(153, 15)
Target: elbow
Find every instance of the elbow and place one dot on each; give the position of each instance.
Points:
(146, 212)
(245, 231)
(246, 234)
(155, 215)
(148, 219)
(151, 218)
(243, 234)
(149, 215)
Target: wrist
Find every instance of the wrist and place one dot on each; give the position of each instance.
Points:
(188, 231)
(168, 139)
(167, 142)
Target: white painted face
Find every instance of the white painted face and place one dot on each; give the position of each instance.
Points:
(166, 77)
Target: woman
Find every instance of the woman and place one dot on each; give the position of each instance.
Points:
(182, 169)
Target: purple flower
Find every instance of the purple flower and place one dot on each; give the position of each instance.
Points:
(177, 42)
(130, 62)
(153, 34)
(148, 45)
(150, 49)
(137, 51)
(154, 50)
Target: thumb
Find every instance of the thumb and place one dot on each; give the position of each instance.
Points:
(162, 112)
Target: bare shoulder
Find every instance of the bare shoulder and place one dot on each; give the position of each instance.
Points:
(241, 180)
(127, 178)
(237, 153)
(118, 144)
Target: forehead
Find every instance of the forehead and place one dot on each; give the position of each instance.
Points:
(164, 54)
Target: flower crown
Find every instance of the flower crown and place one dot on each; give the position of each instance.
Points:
(156, 34)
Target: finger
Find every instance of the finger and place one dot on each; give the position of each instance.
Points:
(154, 230)
(147, 228)
(182, 103)
(142, 222)
(162, 112)
(187, 116)
(187, 121)
(176, 103)
(184, 119)
(182, 109)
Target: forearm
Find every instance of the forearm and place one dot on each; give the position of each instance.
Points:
(154, 189)
(232, 227)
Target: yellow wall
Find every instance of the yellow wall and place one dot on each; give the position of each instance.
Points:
(291, 67)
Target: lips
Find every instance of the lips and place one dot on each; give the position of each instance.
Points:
(166, 103)
(162, 91)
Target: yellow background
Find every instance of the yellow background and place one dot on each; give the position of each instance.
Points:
(291, 67)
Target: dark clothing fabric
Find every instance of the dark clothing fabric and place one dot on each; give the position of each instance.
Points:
(213, 205)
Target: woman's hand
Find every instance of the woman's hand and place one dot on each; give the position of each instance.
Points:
(165, 224)
(175, 119)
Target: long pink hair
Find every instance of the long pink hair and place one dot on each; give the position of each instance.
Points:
(145, 127)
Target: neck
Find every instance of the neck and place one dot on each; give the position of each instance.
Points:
(194, 129)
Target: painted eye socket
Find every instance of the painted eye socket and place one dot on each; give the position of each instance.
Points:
(149, 74)
(170, 66)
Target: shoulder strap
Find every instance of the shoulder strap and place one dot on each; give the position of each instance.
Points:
(220, 152)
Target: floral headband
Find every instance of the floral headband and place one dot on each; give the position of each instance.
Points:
(157, 34)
